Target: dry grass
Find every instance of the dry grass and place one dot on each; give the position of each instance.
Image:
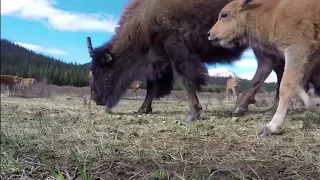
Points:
(44, 137)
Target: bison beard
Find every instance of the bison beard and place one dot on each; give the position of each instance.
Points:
(153, 47)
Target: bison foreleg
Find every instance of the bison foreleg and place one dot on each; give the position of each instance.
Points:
(265, 66)
(194, 104)
(192, 71)
(151, 92)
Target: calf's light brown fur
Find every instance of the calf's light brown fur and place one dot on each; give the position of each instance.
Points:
(135, 86)
(287, 27)
(233, 85)
(26, 83)
(9, 81)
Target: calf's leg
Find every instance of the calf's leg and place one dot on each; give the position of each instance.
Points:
(291, 85)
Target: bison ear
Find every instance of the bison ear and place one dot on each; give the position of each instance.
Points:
(248, 4)
(245, 2)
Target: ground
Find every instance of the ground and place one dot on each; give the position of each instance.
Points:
(66, 134)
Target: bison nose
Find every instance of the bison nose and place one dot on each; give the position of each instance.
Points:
(212, 37)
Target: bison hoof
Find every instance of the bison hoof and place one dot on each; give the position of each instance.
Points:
(192, 117)
(144, 111)
(238, 112)
(267, 132)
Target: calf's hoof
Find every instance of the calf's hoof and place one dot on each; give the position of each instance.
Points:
(144, 111)
(237, 112)
(192, 117)
(267, 132)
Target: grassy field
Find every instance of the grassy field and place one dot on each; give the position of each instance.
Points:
(64, 135)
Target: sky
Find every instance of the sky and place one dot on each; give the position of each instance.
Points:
(59, 28)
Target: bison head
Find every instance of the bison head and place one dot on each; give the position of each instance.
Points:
(100, 72)
(232, 23)
(112, 72)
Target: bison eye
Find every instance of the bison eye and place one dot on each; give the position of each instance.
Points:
(224, 15)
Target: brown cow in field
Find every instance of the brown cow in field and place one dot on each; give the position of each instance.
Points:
(232, 84)
(9, 81)
(26, 83)
(288, 27)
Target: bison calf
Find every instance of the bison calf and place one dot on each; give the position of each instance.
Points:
(287, 27)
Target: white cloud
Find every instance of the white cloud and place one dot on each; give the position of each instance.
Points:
(45, 12)
(271, 78)
(41, 49)
(247, 63)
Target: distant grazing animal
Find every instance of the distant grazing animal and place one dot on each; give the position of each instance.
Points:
(232, 84)
(9, 81)
(26, 83)
(135, 86)
(287, 27)
(154, 38)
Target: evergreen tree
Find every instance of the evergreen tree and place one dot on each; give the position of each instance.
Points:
(17, 60)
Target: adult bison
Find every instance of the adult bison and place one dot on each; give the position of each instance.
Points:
(294, 32)
(156, 36)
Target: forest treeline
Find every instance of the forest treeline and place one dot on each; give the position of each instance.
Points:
(17, 60)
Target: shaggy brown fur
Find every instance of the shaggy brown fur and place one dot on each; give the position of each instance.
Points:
(293, 29)
(157, 36)
(232, 84)
(9, 81)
